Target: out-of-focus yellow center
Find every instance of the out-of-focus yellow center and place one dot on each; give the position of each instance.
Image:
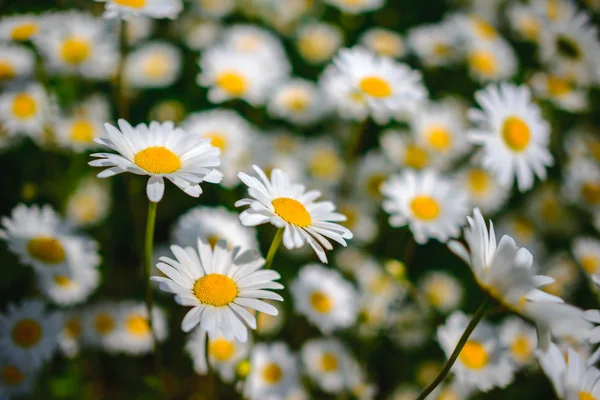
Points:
(75, 50)
(523, 229)
(516, 133)
(62, 281)
(425, 207)
(272, 373)
(24, 106)
(437, 292)
(351, 216)
(216, 290)
(441, 49)
(530, 27)
(131, 3)
(483, 62)
(479, 181)
(104, 323)
(415, 157)
(448, 394)
(82, 131)
(585, 396)
(12, 376)
(27, 333)
(137, 325)
(156, 65)
(386, 44)
(590, 191)
(474, 355)
(484, 30)
(46, 249)
(521, 348)
(314, 46)
(325, 163)
(221, 349)
(73, 328)
(558, 86)
(7, 71)
(218, 139)
(550, 209)
(589, 263)
(85, 208)
(297, 100)
(374, 183)
(329, 362)
(157, 160)
(552, 9)
(375, 86)
(292, 211)
(353, 2)
(24, 31)
(232, 82)
(321, 302)
(439, 138)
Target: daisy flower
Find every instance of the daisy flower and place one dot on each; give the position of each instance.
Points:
(520, 339)
(318, 41)
(360, 219)
(482, 362)
(215, 9)
(435, 45)
(383, 42)
(403, 150)
(26, 110)
(587, 254)
(560, 90)
(99, 324)
(16, 62)
(377, 284)
(512, 133)
(521, 228)
(69, 341)
(287, 205)
(356, 6)
(15, 380)
(582, 183)
(324, 298)
(133, 333)
(256, 42)
(327, 361)
(482, 188)
(298, 101)
(199, 34)
(491, 61)
(82, 124)
(159, 151)
(89, 204)
(324, 162)
(565, 273)
(372, 170)
(126, 9)
(29, 333)
(138, 29)
(273, 372)
(212, 224)
(386, 87)
(153, 65)
(67, 290)
(525, 21)
(20, 28)
(443, 291)
(431, 205)
(219, 283)
(548, 210)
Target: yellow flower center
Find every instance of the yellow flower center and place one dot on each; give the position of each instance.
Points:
(62, 281)
(321, 302)
(217, 290)
(6, 70)
(552, 10)
(82, 131)
(156, 65)
(272, 373)
(375, 86)
(314, 46)
(483, 62)
(521, 348)
(386, 44)
(568, 48)
(351, 216)
(484, 29)
(474, 355)
(73, 328)
(46, 249)
(131, 3)
(479, 181)
(297, 100)
(11, 375)
(138, 325)
(415, 157)
(157, 160)
(75, 50)
(357, 97)
(221, 349)
(24, 31)
(449, 394)
(374, 185)
(325, 163)
(24, 106)
(329, 362)
(439, 138)
(212, 240)
(425, 207)
(441, 49)
(550, 209)
(589, 263)
(437, 293)
(27, 333)
(516, 133)
(530, 27)
(104, 323)
(217, 139)
(523, 229)
(85, 208)
(292, 211)
(232, 82)
(585, 396)
(590, 191)
(558, 86)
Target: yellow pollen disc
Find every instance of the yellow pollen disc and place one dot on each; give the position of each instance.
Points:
(212, 240)
(86, 208)
(131, 3)
(104, 323)
(75, 50)
(550, 210)
(11, 375)
(558, 86)
(425, 207)
(441, 49)
(437, 293)
(516, 133)
(217, 139)
(375, 86)
(449, 394)
(585, 396)
(298, 101)
(156, 65)
(221, 349)
(484, 29)
(24, 31)
(589, 263)
(292, 211)
(374, 185)
(530, 28)
(351, 216)
(73, 328)
(439, 138)
(353, 2)
(6, 70)
(321, 302)
(357, 97)
(217, 290)
(590, 191)
(27, 333)
(484, 62)
(232, 82)
(46, 249)
(523, 229)
(386, 45)
(380, 284)
(272, 373)
(82, 131)
(521, 348)
(479, 181)
(62, 281)
(313, 47)
(415, 157)
(329, 362)
(474, 355)
(24, 106)
(137, 325)
(157, 160)
(552, 10)
(325, 163)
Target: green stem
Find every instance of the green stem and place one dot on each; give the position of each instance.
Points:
(479, 314)
(122, 103)
(273, 249)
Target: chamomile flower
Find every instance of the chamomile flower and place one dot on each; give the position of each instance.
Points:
(159, 151)
(20, 27)
(565, 273)
(525, 21)
(288, 206)
(482, 362)
(70, 289)
(256, 42)
(138, 29)
(324, 298)
(219, 284)
(200, 34)
(403, 151)
(560, 90)
(387, 88)
(375, 282)
(357, 6)
(435, 45)
(212, 224)
(326, 362)
(270, 325)
(383, 42)
(29, 333)
(26, 110)
(100, 326)
(324, 162)
(89, 204)
(215, 9)
(587, 255)
(273, 372)
(410, 328)
(15, 380)
(582, 183)
(360, 219)
(443, 291)
(153, 65)
(348, 103)
(82, 124)
(520, 339)
(512, 133)
(491, 61)
(371, 171)
(432, 206)
(318, 41)
(482, 188)
(548, 210)
(126, 9)
(16, 62)
(475, 28)
(69, 341)
(133, 333)
(298, 101)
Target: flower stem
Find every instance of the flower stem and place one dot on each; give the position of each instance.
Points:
(479, 314)
(122, 103)
(273, 249)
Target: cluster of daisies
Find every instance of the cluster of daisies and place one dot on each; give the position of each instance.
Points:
(348, 143)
